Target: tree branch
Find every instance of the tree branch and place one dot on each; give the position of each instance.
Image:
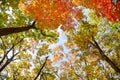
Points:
(6, 31)
(41, 68)
(109, 61)
(5, 54)
(8, 60)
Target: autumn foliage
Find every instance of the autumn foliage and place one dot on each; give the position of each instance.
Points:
(51, 13)
(103, 8)
(32, 47)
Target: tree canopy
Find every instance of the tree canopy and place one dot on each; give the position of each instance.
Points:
(60, 39)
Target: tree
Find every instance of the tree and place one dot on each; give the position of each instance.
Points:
(90, 49)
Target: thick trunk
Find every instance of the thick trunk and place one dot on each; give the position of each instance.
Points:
(6, 31)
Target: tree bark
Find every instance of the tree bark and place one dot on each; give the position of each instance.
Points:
(6, 31)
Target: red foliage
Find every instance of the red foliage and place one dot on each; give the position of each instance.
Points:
(110, 10)
(103, 8)
(51, 13)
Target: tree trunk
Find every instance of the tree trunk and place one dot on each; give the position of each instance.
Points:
(107, 59)
(41, 69)
(6, 31)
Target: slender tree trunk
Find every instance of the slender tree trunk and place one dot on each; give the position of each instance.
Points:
(41, 69)
(107, 59)
(6, 31)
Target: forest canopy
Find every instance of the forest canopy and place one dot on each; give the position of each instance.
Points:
(60, 39)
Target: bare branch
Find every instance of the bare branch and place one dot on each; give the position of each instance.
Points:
(6, 55)
(15, 59)
(13, 51)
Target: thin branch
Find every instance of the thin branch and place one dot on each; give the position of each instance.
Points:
(6, 56)
(13, 51)
(15, 59)
(19, 41)
(10, 49)
(4, 65)
(41, 69)
(93, 44)
(2, 59)
(3, 43)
